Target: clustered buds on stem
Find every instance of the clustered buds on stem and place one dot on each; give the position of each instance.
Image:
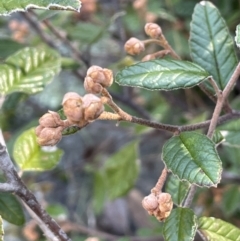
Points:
(153, 30)
(158, 205)
(97, 78)
(134, 46)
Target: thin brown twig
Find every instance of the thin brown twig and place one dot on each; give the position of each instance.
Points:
(159, 185)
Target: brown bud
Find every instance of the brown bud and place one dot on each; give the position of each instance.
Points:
(153, 30)
(97, 76)
(150, 203)
(91, 87)
(50, 119)
(165, 202)
(48, 136)
(134, 46)
(93, 107)
(72, 107)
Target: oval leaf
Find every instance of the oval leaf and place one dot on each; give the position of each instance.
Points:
(237, 37)
(211, 44)
(193, 157)
(181, 225)
(121, 171)
(11, 209)
(162, 74)
(216, 229)
(178, 189)
(31, 157)
(29, 70)
(7, 7)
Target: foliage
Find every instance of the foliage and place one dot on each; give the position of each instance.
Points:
(198, 154)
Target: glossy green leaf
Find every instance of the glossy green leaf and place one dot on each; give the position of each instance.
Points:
(181, 225)
(162, 74)
(218, 230)
(11, 209)
(231, 200)
(231, 133)
(29, 70)
(237, 37)
(211, 44)
(8, 6)
(1, 229)
(31, 157)
(121, 171)
(193, 157)
(217, 137)
(178, 189)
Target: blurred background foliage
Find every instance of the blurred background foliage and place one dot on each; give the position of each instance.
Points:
(106, 168)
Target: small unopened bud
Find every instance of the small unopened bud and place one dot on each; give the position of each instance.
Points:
(153, 30)
(50, 119)
(150, 203)
(72, 107)
(92, 106)
(91, 87)
(134, 46)
(165, 202)
(48, 136)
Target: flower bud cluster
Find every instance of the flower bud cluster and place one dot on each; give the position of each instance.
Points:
(153, 30)
(159, 205)
(97, 78)
(134, 46)
(81, 110)
(49, 131)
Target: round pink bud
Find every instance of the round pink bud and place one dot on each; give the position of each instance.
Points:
(50, 119)
(150, 203)
(92, 87)
(153, 30)
(165, 202)
(134, 46)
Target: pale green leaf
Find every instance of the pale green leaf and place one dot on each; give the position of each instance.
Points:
(193, 157)
(178, 189)
(181, 225)
(1, 229)
(8, 47)
(8, 6)
(121, 171)
(31, 157)
(217, 137)
(11, 209)
(217, 230)
(29, 70)
(211, 44)
(237, 37)
(162, 74)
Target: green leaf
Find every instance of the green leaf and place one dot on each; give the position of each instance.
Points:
(178, 189)
(218, 230)
(29, 70)
(181, 225)
(237, 37)
(11, 209)
(7, 7)
(162, 74)
(121, 171)
(231, 133)
(231, 199)
(69, 63)
(31, 157)
(1, 229)
(217, 137)
(211, 44)
(193, 157)
(8, 47)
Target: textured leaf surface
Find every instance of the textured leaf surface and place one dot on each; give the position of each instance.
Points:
(29, 70)
(178, 189)
(11, 209)
(9, 6)
(237, 38)
(193, 157)
(181, 225)
(8, 47)
(31, 157)
(162, 74)
(211, 44)
(217, 137)
(217, 230)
